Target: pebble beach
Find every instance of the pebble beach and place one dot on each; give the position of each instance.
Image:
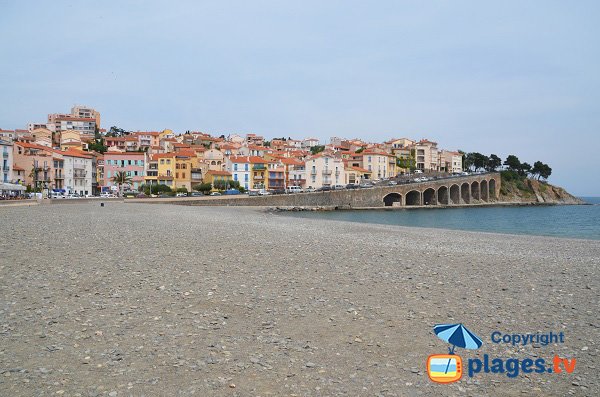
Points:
(134, 299)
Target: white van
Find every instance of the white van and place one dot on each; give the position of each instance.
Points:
(293, 189)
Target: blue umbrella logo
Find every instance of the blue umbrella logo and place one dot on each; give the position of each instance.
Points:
(458, 336)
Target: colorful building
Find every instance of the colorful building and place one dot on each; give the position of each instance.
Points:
(250, 171)
(132, 163)
(178, 169)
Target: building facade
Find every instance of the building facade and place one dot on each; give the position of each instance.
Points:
(132, 163)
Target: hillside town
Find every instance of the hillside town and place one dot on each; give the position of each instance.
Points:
(72, 154)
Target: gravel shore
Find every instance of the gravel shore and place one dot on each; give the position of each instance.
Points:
(163, 300)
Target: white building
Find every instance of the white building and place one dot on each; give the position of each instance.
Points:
(6, 161)
(324, 170)
(35, 126)
(307, 143)
(450, 161)
(78, 172)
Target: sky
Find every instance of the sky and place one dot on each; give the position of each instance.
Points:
(508, 77)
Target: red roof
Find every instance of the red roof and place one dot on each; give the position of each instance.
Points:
(28, 145)
(216, 172)
(73, 153)
(247, 159)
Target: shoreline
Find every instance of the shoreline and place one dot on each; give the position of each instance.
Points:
(417, 207)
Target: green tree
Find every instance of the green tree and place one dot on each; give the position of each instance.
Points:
(317, 149)
(121, 178)
(203, 187)
(409, 163)
(493, 162)
(541, 170)
(479, 160)
(98, 146)
(513, 163)
(546, 171)
(360, 150)
(468, 161)
(525, 169)
(182, 189)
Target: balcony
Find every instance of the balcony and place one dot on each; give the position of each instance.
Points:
(259, 167)
(258, 177)
(326, 172)
(5, 155)
(59, 176)
(296, 182)
(313, 172)
(79, 175)
(337, 173)
(151, 173)
(6, 168)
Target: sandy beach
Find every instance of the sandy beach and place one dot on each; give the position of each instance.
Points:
(162, 300)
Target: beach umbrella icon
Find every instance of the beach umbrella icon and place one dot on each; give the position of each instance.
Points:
(458, 336)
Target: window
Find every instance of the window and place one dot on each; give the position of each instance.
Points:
(245, 167)
(235, 168)
(246, 177)
(168, 161)
(177, 175)
(183, 175)
(235, 177)
(162, 161)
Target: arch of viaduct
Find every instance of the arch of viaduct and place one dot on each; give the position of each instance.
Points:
(464, 190)
(452, 191)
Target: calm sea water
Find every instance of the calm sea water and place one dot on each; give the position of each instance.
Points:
(575, 221)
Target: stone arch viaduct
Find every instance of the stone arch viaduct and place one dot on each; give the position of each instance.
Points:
(455, 191)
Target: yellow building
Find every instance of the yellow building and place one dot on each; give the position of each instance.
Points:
(213, 176)
(178, 170)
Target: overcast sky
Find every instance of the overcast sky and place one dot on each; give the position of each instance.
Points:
(510, 77)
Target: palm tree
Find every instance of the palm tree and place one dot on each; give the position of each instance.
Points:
(121, 178)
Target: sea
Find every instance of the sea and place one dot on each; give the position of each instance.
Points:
(571, 221)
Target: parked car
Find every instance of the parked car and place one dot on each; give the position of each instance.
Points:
(293, 189)
(417, 171)
(351, 186)
(264, 192)
(365, 185)
(338, 187)
(215, 194)
(392, 183)
(231, 191)
(164, 195)
(141, 195)
(310, 189)
(252, 193)
(181, 194)
(196, 194)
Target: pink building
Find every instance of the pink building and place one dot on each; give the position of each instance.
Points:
(130, 162)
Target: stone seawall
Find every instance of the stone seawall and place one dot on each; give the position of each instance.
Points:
(475, 189)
